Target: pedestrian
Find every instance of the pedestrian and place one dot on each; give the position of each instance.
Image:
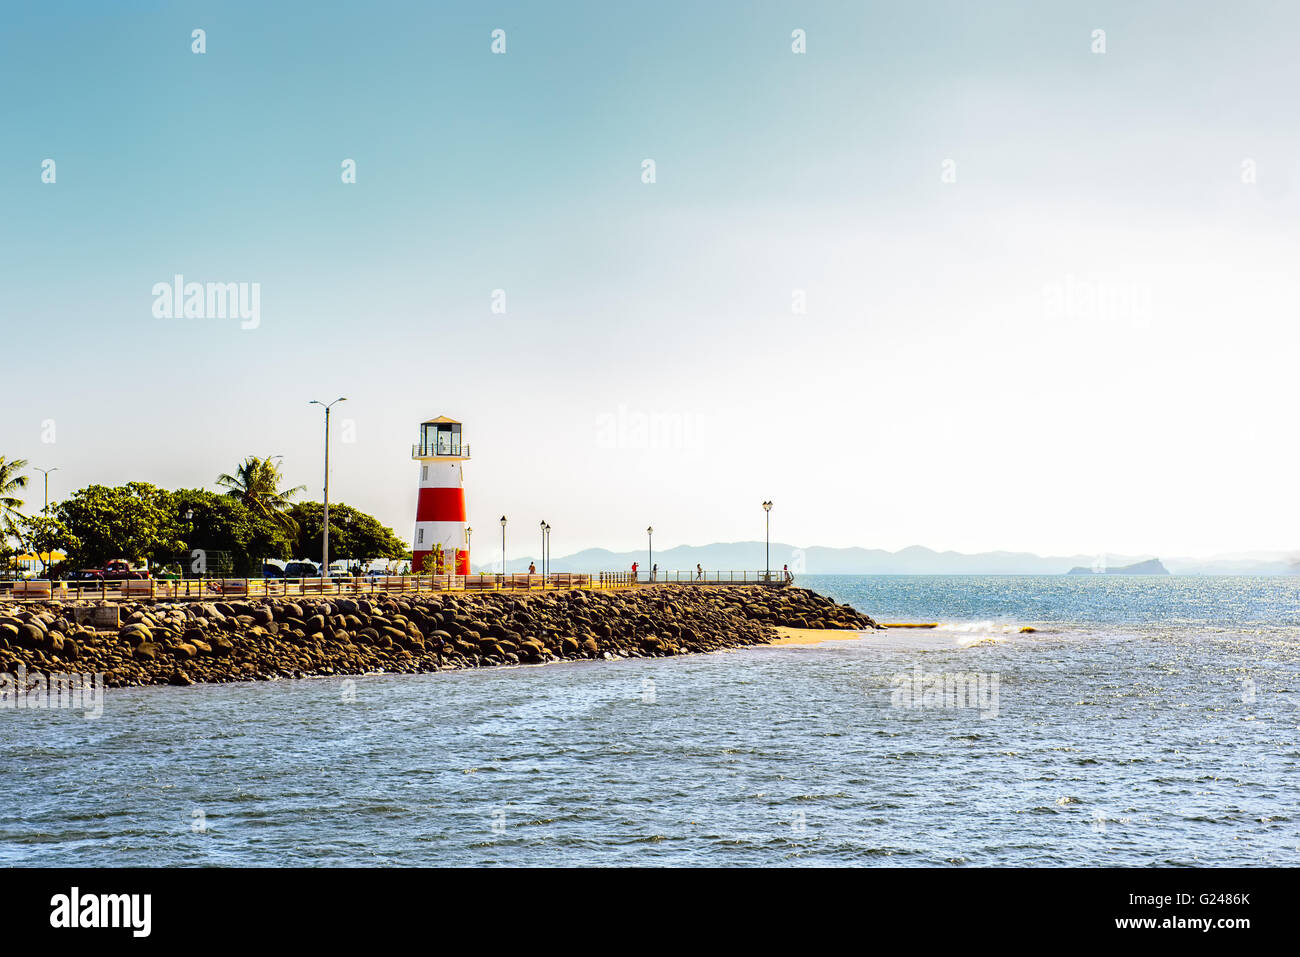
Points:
(699, 571)
(786, 570)
(532, 568)
(634, 564)
(654, 572)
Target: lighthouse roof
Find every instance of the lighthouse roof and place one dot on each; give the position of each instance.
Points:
(440, 419)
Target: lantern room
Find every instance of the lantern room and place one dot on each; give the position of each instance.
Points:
(440, 438)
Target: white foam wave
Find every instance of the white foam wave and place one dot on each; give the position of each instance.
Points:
(980, 627)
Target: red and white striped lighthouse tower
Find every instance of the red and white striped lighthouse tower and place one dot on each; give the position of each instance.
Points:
(440, 509)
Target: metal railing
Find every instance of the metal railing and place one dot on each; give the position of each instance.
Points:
(690, 576)
(215, 588)
(422, 451)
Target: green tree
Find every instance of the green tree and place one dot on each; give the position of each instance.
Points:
(133, 521)
(42, 536)
(211, 522)
(256, 484)
(353, 534)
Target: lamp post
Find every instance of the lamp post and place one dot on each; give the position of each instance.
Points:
(325, 541)
(503, 548)
(469, 535)
(767, 541)
(650, 560)
(542, 528)
(546, 550)
(46, 510)
(189, 520)
(46, 473)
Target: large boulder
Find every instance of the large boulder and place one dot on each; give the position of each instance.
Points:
(29, 636)
(135, 633)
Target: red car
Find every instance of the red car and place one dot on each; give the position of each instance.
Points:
(114, 571)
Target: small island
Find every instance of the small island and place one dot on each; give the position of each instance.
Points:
(1151, 566)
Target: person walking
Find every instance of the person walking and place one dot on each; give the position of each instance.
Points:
(634, 564)
(532, 568)
(786, 571)
(699, 572)
(654, 572)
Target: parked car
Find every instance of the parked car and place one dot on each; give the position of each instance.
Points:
(301, 570)
(115, 570)
(119, 569)
(272, 571)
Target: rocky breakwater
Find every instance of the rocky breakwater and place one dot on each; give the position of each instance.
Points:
(185, 642)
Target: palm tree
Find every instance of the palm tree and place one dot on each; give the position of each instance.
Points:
(11, 481)
(256, 483)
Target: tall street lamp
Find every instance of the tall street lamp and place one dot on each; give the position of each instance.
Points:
(325, 542)
(46, 510)
(546, 551)
(542, 528)
(503, 548)
(469, 535)
(767, 538)
(650, 561)
(46, 473)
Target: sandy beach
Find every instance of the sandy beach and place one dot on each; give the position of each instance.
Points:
(944, 637)
(813, 636)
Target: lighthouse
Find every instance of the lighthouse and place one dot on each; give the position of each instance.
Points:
(440, 509)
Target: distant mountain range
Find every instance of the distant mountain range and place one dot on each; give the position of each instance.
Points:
(914, 560)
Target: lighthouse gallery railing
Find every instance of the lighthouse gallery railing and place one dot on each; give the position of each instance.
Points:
(419, 451)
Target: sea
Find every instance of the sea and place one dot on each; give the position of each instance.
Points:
(1143, 721)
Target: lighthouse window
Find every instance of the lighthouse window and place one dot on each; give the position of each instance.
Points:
(424, 473)
(420, 536)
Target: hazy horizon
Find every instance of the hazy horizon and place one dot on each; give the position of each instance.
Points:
(1080, 345)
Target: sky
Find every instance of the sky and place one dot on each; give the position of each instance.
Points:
(950, 277)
